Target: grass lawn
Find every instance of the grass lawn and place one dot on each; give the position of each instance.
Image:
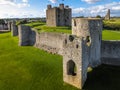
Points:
(29, 68)
(110, 35)
(41, 27)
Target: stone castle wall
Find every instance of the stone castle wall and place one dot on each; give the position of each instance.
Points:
(110, 52)
(76, 55)
(51, 42)
(90, 29)
(26, 36)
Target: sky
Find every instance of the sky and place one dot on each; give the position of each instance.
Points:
(37, 8)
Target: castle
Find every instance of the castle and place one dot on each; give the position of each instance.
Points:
(82, 49)
(58, 16)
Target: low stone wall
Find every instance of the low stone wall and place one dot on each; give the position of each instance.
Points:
(110, 52)
(26, 35)
(51, 42)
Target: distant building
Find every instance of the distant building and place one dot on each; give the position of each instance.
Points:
(58, 16)
(107, 17)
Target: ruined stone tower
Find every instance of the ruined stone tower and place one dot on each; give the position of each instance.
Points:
(82, 50)
(58, 16)
(107, 17)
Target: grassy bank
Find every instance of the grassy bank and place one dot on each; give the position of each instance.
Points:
(28, 68)
(41, 27)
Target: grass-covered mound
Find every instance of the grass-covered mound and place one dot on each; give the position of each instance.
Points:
(41, 27)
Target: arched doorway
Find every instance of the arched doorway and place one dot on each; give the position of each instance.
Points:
(71, 68)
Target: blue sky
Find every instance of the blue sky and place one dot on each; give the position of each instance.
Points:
(37, 8)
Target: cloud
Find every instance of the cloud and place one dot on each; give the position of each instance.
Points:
(13, 8)
(53, 1)
(23, 3)
(98, 10)
(91, 1)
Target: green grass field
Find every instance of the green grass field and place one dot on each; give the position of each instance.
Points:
(110, 35)
(41, 27)
(29, 68)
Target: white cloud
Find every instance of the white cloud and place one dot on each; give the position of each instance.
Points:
(25, 1)
(78, 10)
(99, 10)
(13, 8)
(91, 1)
(53, 1)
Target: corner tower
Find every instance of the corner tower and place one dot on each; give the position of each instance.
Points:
(81, 50)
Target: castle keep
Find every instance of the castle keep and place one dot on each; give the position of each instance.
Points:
(58, 16)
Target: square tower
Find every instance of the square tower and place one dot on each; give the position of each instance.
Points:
(81, 50)
(58, 16)
(91, 29)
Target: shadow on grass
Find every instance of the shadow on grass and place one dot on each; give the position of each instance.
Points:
(104, 77)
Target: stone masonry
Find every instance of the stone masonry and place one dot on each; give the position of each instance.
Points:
(90, 29)
(14, 29)
(58, 16)
(83, 51)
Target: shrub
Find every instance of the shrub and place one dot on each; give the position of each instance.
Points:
(21, 22)
(111, 25)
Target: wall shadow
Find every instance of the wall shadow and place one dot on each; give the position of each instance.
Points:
(104, 77)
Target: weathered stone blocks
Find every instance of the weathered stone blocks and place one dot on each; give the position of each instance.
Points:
(26, 36)
(90, 29)
(75, 62)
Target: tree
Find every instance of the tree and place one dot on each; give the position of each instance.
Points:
(98, 16)
(2, 21)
